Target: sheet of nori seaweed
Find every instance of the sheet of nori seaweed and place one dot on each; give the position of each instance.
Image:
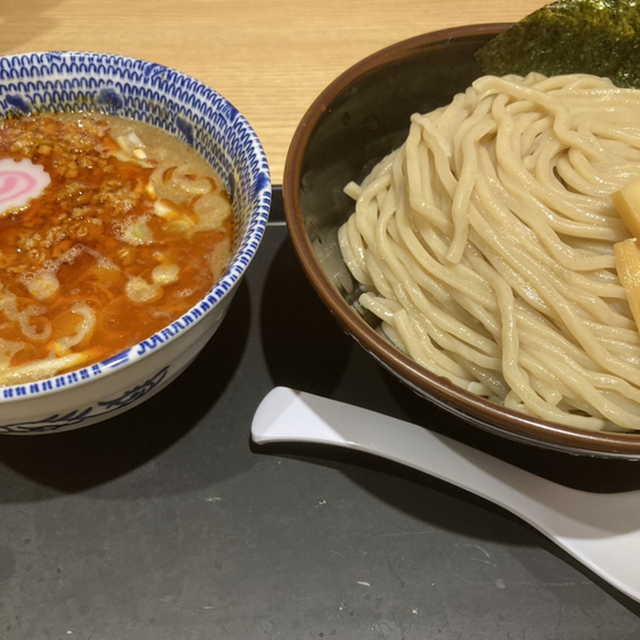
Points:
(600, 37)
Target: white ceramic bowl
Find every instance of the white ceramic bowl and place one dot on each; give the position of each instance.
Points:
(54, 81)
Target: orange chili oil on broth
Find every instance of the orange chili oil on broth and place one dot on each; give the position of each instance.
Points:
(131, 231)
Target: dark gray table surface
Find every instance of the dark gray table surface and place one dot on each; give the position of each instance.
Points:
(167, 523)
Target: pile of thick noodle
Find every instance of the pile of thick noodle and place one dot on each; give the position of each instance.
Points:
(485, 246)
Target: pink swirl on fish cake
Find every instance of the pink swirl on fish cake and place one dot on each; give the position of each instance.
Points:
(20, 182)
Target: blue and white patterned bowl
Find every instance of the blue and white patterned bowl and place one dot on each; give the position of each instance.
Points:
(80, 81)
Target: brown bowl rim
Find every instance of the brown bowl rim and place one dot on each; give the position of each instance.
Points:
(484, 413)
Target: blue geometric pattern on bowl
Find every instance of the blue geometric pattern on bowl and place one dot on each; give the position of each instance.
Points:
(48, 82)
(102, 409)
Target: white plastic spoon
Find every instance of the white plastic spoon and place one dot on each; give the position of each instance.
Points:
(600, 530)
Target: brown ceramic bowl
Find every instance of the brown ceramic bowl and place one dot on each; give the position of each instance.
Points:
(357, 120)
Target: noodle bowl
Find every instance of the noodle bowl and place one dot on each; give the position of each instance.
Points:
(484, 245)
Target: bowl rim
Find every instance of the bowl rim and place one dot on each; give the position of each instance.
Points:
(247, 244)
(474, 409)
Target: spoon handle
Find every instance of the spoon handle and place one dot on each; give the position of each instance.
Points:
(567, 516)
